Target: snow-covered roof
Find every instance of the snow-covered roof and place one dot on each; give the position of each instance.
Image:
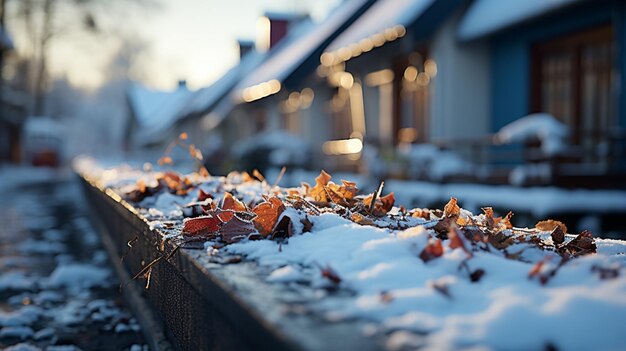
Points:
(485, 17)
(301, 42)
(155, 110)
(381, 16)
(203, 99)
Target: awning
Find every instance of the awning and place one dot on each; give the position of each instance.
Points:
(485, 17)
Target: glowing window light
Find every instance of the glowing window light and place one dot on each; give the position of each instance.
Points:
(307, 95)
(410, 73)
(327, 59)
(430, 67)
(343, 146)
(423, 79)
(378, 39)
(366, 45)
(346, 80)
(400, 30)
(381, 77)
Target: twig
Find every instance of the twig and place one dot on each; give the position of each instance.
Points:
(280, 176)
(377, 195)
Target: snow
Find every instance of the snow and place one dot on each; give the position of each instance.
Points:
(155, 110)
(20, 332)
(25, 316)
(300, 43)
(285, 274)
(435, 164)
(434, 304)
(488, 313)
(79, 275)
(538, 126)
(23, 347)
(539, 201)
(380, 16)
(488, 16)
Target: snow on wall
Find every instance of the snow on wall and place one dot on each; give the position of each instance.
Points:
(487, 16)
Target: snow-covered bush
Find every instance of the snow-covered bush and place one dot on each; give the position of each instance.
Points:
(542, 127)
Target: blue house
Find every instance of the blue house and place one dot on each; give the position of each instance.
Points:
(563, 57)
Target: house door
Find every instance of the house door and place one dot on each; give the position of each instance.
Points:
(574, 80)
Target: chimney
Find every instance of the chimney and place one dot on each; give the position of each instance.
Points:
(273, 27)
(245, 46)
(182, 84)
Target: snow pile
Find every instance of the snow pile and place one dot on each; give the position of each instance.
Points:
(429, 161)
(437, 303)
(539, 126)
(78, 275)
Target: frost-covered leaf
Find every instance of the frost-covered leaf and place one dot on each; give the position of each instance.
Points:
(267, 214)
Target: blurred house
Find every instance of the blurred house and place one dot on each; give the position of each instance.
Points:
(151, 114)
(12, 109)
(486, 90)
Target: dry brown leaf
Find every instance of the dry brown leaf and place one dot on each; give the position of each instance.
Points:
(360, 219)
(205, 225)
(388, 201)
(165, 160)
(452, 209)
(229, 202)
(236, 229)
(557, 235)
(267, 214)
(432, 250)
(318, 193)
(548, 225)
(456, 240)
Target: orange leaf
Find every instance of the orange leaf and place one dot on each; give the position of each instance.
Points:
(456, 241)
(388, 201)
(451, 209)
(549, 225)
(165, 160)
(183, 136)
(231, 203)
(201, 225)
(318, 193)
(203, 195)
(432, 250)
(267, 214)
(203, 172)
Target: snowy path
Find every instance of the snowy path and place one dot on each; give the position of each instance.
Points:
(57, 291)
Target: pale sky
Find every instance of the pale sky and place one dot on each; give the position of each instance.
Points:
(187, 39)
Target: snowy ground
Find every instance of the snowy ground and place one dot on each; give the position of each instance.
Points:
(470, 296)
(57, 291)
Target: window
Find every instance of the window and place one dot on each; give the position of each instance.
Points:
(413, 112)
(573, 79)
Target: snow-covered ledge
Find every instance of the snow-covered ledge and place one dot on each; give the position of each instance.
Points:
(350, 278)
